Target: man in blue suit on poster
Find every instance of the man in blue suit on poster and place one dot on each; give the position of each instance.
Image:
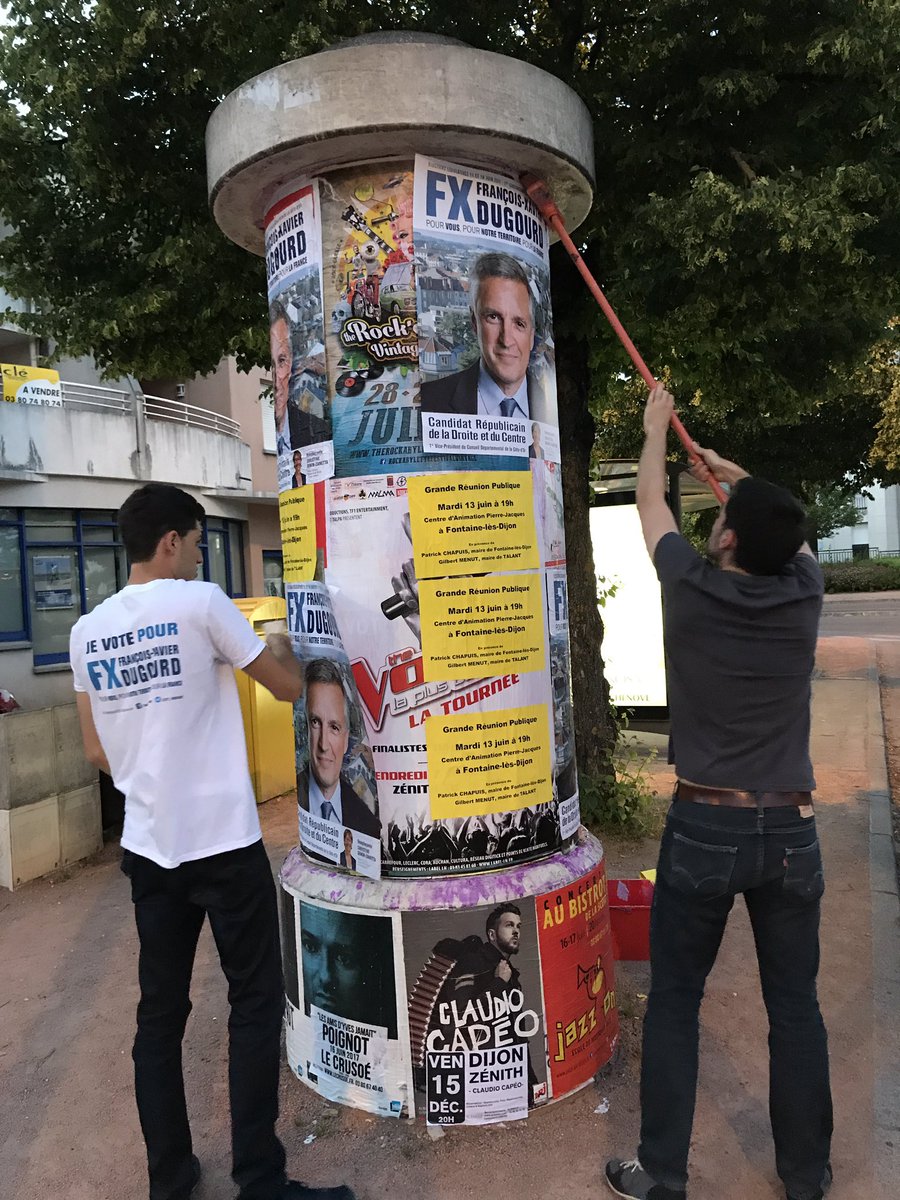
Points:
(331, 797)
(499, 384)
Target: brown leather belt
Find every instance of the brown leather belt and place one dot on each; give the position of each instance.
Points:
(731, 798)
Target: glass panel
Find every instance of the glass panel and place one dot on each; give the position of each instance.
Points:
(235, 546)
(273, 573)
(12, 618)
(55, 602)
(101, 575)
(215, 542)
(49, 525)
(8, 514)
(99, 533)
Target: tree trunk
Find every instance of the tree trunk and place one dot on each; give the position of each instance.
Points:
(595, 724)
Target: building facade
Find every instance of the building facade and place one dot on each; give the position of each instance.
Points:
(66, 466)
(876, 532)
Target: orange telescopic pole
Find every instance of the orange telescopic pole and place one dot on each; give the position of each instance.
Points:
(540, 194)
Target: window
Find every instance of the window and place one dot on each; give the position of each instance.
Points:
(74, 560)
(273, 573)
(56, 564)
(13, 613)
(223, 555)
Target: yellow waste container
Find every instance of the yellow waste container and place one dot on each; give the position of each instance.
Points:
(268, 723)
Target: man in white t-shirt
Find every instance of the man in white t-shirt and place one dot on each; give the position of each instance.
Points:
(159, 711)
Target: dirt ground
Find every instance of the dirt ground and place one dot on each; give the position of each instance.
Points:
(68, 990)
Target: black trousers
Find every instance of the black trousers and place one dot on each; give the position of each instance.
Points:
(235, 890)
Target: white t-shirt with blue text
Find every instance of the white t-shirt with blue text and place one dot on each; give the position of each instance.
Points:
(157, 661)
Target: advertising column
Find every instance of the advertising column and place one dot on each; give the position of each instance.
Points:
(421, 507)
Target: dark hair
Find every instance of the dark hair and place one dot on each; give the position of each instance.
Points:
(278, 312)
(496, 264)
(769, 524)
(153, 511)
(493, 919)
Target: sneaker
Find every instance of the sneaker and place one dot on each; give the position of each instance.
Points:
(823, 1187)
(631, 1181)
(299, 1191)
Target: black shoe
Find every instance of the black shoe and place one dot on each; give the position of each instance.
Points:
(823, 1187)
(299, 1191)
(630, 1180)
(196, 1172)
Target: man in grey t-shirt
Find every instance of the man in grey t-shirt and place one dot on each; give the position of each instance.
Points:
(740, 636)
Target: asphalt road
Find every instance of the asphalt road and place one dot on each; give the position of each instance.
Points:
(862, 614)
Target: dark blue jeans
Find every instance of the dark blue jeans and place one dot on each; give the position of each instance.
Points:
(236, 891)
(708, 855)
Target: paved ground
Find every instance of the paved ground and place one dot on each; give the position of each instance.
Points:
(67, 995)
(862, 614)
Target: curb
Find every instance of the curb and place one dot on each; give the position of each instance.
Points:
(885, 948)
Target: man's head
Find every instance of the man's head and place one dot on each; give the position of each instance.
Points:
(502, 317)
(162, 522)
(760, 528)
(504, 927)
(348, 965)
(282, 358)
(328, 720)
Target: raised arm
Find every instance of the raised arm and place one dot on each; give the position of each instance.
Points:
(714, 466)
(656, 517)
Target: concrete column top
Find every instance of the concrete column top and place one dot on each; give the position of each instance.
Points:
(386, 97)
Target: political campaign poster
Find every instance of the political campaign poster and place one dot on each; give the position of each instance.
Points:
(293, 249)
(565, 771)
(372, 342)
(486, 352)
(336, 790)
(346, 1035)
(577, 968)
(461, 727)
(475, 1006)
(548, 512)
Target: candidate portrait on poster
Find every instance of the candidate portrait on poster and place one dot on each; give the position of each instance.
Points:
(499, 383)
(330, 794)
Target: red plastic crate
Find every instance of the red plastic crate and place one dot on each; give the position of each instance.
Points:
(629, 912)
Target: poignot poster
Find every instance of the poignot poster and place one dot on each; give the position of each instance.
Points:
(346, 1034)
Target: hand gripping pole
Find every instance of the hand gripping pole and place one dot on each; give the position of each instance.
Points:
(540, 194)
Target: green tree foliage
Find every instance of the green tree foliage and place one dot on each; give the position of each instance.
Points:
(831, 508)
(882, 371)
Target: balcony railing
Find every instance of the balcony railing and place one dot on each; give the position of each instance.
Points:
(156, 408)
(161, 409)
